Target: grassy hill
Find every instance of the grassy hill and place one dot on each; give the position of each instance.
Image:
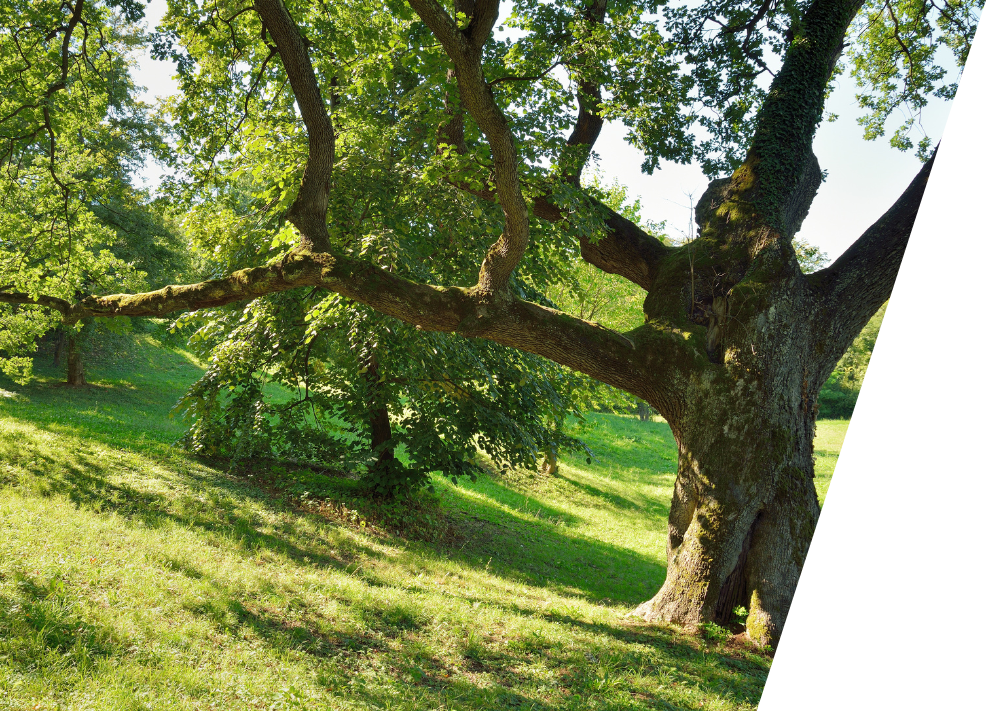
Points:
(135, 576)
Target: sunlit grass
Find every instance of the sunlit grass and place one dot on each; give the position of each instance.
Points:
(829, 436)
(135, 576)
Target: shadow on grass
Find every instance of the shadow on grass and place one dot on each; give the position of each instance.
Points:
(500, 540)
(115, 406)
(209, 504)
(543, 555)
(607, 660)
(508, 545)
(649, 503)
(607, 666)
(487, 673)
(40, 625)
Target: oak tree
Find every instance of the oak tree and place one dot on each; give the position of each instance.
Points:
(316, 102)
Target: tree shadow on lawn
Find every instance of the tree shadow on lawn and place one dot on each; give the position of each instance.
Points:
(537, 553)
(485, 673)
(610, 668)
(650, 504)
(604, 667)
(607, 667)
(195, 498)
(543, 555)
(115, 405)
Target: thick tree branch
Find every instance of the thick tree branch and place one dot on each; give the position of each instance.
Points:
(626, 249)
(444, 27)
(853, 288)
(587, 347)
(589, 123)
(780, 152)
(484, 16)
(15, 297)
(309, 209)
(477, 98)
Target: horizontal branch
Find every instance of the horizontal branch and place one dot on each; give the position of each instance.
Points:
(599, 352)
(15, 297)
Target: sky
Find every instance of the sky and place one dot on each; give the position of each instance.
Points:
(864, 177)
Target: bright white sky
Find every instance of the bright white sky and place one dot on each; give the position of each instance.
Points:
(864, 177)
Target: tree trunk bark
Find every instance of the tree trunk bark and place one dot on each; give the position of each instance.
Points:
(742, 516)
(75, 373)
(549, 465)
(378, 415)
(744, 506)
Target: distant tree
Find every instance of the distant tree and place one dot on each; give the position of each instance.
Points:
(837, 398)
(71, 135)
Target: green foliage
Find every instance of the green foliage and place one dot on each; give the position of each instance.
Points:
(295, 377)
(896, 51)
(71, 134)
(390, 203)
(837, 398)
(594, 295)
(714, 633)
(897, 61)
(810, 257)
(612, 301)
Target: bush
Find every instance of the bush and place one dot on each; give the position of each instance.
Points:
(836, 402)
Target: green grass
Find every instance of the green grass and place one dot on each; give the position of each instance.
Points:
(829, 436)
(135, 576)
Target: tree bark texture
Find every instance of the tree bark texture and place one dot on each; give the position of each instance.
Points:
(744, 505)
(381, 434)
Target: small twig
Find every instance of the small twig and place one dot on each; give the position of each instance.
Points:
(536, 77)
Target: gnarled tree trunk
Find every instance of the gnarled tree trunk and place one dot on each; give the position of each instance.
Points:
(744, 506)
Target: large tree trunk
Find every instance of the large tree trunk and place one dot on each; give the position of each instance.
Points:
(743, 511)
(744, 506)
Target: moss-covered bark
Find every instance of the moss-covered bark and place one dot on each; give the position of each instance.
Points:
(744, 506)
